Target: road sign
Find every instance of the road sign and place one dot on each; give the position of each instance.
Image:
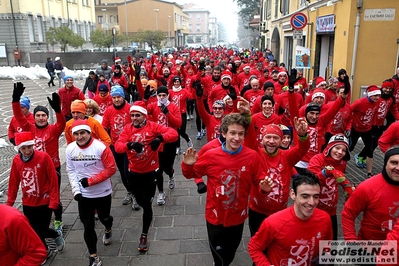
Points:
(297, 34)
(299, 21)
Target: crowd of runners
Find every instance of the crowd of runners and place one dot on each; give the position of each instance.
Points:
(271, 135)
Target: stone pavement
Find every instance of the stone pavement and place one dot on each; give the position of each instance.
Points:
(178, 233)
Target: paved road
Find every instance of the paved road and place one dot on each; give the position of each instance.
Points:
(178, 233)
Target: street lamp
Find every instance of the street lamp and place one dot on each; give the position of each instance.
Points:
(156, 10)
(126, 22)
(169, 31)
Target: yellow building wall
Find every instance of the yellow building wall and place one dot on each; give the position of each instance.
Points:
(141, 16)
(56, 8)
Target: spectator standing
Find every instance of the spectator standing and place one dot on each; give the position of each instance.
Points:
(59, 70)
(50, 71)
(91, 85)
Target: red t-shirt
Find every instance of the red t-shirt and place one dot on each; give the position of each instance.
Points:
(378, 200)
(288, 239)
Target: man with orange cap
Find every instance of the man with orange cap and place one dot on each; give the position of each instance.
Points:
(78, 111)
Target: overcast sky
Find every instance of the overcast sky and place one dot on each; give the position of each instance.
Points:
(224, 10)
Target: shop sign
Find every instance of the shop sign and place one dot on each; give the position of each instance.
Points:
(302, 57)
(379, 14)
(325, 24)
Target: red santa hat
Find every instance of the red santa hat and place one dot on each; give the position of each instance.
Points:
(117, 59)
(318, 93)
(281, 73)
(24, 139)
(246, 66)
(273, 129)
(388, 84)
(139, 106)
(373, 90)
(237, 60)
(226, 74)
(80, 124)
(320, 81)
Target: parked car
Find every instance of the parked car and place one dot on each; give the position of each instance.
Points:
(168, 50)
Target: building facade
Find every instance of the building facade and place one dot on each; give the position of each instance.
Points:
(23, 25)
(213, 30)
(359, 36)
(199, 24)
(136, 15)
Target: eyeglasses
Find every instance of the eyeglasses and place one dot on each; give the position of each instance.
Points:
(135, 115)
(217, 108)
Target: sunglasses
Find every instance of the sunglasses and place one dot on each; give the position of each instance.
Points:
(217, 108)
(136, 115)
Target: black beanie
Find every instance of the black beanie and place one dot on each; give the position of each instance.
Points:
(312, 107)
(40, 108)
(267, 97)
(163, 89)
(267, 85)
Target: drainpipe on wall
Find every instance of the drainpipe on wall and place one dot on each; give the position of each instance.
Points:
(355, 42)
(15, 31)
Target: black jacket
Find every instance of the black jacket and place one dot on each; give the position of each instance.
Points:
(90, 84)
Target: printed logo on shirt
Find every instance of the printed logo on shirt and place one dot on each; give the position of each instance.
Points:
(367, 118)
(84, 157)
(329, 192)
(162, 119)
(29, 182)
(176, 99)
(382, 109)
(216, 132)
(243, 169)
(119, 123)
(393, 211)
(230, 180)
(40, 144)
(300, 252)
(312, 131)
(276, 194)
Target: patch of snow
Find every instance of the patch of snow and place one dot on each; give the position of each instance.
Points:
(37, 72)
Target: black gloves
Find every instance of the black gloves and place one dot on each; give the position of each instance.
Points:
(136, 146)
(17, 92)
(137, 68)
(78, 197)
(156, 142)
(55, 102)
(291, 80)
(347, 133)
(233, 68)
(201, 65)
(347, 85)
(201, 188)
(184, 64)
(164, 109)
(198, 88)
(12, 140)
(84, 182)
(147, 92)
(192, 63)
(232, 93)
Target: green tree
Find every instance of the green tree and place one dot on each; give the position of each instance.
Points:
(248, 8)
(154, 39)
(64, 36)
(100, 38)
